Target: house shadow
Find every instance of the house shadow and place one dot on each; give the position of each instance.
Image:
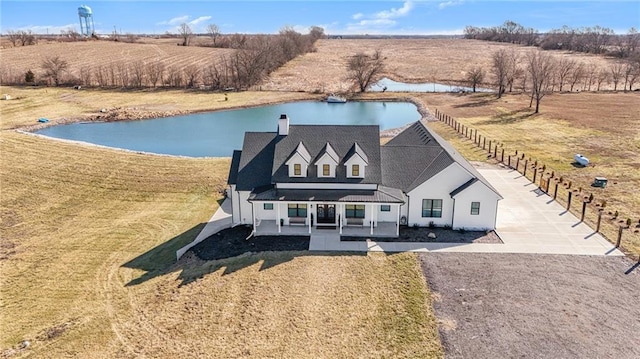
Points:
(510, 117)
(228, 251)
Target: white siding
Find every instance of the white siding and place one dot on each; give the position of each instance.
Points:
(437, 187)
(391, 216)
(246, 215)
(355, 160)
(486, 219)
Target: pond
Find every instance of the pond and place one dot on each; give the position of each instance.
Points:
(394, 86)
(217, 134)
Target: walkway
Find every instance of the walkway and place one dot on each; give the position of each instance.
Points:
(528, 222)
(220, 220)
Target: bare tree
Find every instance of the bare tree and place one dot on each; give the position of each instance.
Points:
(155, 72)
(123, 74)
(214, 32)
(192, 75)
(631, 72)
(86, 75)
(512, 66)
(475, 76)
(14, 37)
(364, 70)
(186, 33)
(138, 71)
(602, 77)
(101, 76)
(54, 68)
(576, 75)
(617, 70)
(540, 67)
(563, 69)
(590, 76)
(500, 68)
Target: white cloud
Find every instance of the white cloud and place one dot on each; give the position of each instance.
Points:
(449, 3)
(197, 21)
(175, 21)
(382, 20)
(395, 13)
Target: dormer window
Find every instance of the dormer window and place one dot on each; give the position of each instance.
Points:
(356, 162)
(326, 170)
(298, 162)
(327, 162)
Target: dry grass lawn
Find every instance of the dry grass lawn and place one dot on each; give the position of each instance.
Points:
(88, 245)
(407, 60)
(603, 127)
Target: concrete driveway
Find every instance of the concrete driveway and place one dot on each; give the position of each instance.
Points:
(528, 221)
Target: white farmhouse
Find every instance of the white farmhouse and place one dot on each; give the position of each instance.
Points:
(304, 178)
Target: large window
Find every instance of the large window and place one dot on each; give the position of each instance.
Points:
(297, 169)
(475, 208)
(385, 208)
(297, 210)
(268, 206)
(355, 170)
(354, 210)
(326, 170)
(432, 208)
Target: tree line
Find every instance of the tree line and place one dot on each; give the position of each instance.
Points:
(595, 40)
(256, 56)
(541, 72)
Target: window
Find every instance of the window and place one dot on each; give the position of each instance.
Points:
(355, 210)
(297, 169)
(268, 206)
(297, 210)
(432, 208)
(355, 170)
(475, 208)
(385, 208)
(326, 170)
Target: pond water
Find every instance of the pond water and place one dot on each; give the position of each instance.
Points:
(217, 134)
(394, 86)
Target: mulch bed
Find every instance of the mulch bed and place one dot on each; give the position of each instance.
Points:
(421, 234)
(232, 242)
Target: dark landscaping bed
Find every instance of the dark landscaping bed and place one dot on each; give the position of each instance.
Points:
(421, 234)
(232, 242)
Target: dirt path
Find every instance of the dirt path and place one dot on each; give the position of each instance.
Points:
(535, 306)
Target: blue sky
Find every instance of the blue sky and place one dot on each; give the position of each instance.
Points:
(336, 17)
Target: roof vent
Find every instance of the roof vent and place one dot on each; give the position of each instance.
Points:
(283, 125)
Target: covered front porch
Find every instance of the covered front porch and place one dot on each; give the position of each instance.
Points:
(382, 229)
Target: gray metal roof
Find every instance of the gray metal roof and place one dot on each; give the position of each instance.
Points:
(382, 195)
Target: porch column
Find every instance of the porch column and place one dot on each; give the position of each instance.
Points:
(398, 222)
(309, 216)
(371, 220)
(278, 217)
(253, 212)
(340, 216)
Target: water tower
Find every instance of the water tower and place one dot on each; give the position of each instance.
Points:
(86, 27)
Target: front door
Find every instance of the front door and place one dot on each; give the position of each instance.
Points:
(326, 213)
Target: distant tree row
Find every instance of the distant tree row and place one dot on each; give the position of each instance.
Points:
(21, 37)
(596, 40)
(255, 58)
(540, 72)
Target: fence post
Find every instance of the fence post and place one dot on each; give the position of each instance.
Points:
(495, 151)
(599, 220)
(535, 174)
(555, 192)
(584, 209)
(484, 142)
(569, 199)
(502, 156)
(475, 137)
(518, 163)
(619, 237)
